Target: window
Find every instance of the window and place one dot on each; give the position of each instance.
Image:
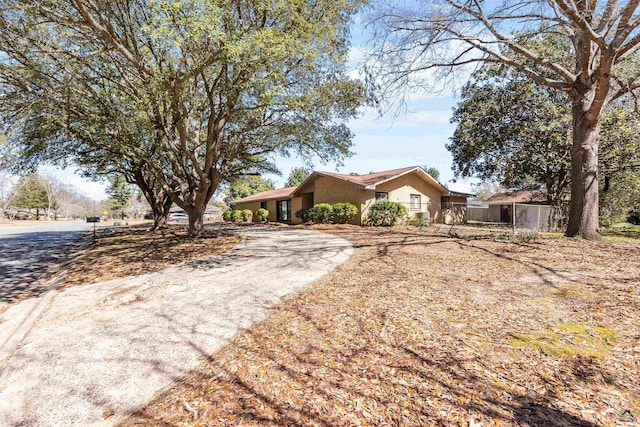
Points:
(415, 201)
(381, 196)
(284, 210)
(263, 205)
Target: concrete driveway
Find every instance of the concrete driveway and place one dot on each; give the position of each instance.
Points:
(98, 352)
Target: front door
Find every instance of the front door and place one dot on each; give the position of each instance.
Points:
(505, 213)
(283, 209)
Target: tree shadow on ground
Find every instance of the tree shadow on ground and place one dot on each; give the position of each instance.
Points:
(28, 260)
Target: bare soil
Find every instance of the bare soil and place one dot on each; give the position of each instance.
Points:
(134, 250)
(434, 328)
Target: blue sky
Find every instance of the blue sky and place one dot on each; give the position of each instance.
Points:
(417, 137)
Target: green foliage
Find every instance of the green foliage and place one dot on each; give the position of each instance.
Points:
(343, 212)
(199, 92)
(512, 130)
(119, 193)
(263, 215)
(236, 216)
(322, 213)
(247, 215)
(248, 186)
(226, 216)
(634, 217)
(297, 177)
(385, 213)
(435, 173)
(31, 194)
(417, 221)
(306, 215)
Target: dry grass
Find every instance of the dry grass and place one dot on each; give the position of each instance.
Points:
(134, 250)
(429, 329)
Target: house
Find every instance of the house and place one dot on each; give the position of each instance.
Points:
(411, 186)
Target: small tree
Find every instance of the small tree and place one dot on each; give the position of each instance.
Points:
(31, 193)
(119, 194)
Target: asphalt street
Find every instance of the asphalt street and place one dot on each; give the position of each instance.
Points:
(30, 254)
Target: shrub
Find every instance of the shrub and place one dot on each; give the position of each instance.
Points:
(226, 216)
(305, 215)
(247, 215)
(634, 217)
(343, 212)
(385, 213)
(263, 215)
(236, 216)
(322, 213)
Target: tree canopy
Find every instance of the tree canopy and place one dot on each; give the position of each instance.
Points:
(247, 186)
(201, 91)
(512, 131)
(297, 176)
(593, 60)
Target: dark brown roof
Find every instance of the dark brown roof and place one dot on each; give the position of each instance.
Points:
(524, 196)
(268, 195)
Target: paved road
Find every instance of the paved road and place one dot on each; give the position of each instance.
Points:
(98, 352)
(29, 253)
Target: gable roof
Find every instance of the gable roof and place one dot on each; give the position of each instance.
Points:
(371, 180)
(278, 193)
(367, 181)
(523, 196)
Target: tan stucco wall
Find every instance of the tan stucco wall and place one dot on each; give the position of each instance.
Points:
(401, 189)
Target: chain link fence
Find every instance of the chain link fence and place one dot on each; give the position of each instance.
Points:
(517, 216)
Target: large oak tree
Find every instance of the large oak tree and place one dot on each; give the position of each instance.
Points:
(434, 39)
(217, 86)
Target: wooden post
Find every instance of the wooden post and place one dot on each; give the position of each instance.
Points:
(538, 223)
(513, 217)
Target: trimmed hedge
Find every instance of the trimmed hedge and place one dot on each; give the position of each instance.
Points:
(324, 213)
(385, 213)
(343, 212)
(247, 215)
(263, 215)
(305, 215)
(234, 216)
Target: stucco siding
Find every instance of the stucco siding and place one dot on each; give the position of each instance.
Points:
(401, 189)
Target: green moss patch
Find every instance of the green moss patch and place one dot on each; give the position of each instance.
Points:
(570, 339)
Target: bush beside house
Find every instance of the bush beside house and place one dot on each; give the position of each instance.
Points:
(262, 215)
(384, 213)
(324, 213)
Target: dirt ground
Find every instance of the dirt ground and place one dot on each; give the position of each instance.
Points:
(432, 328)
(133, 250)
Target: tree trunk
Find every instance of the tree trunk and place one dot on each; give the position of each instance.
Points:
(583, 212)
(161, 213)
(195, 222)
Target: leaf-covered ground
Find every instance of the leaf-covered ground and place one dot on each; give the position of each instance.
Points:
(135, 250)
(421, 328)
